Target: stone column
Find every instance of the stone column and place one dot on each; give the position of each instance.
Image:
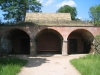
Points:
(0, 46)
(64, 48)
(32, 47)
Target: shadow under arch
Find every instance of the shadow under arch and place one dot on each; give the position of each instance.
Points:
(16, 41)
(80, 41)
(49, 41)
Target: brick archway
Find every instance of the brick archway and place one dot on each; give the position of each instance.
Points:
(16, 41)
(48, 41)
(79, 41)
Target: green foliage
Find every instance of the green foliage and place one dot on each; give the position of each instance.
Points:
(68, 9)
(11, 65)
(15, 10)
(94, 13)
(88, 65)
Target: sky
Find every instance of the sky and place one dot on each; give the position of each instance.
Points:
(82, 6)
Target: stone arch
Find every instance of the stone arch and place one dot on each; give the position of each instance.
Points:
(79, 41)
(49, 41)
(16, 41)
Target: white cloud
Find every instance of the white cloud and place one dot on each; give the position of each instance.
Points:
(79, 17)
(48, 2)
(67, 2)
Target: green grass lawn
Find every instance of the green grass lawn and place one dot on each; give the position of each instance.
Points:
(11, 65)
(88, 65)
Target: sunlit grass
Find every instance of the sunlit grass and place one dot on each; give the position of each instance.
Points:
(11, 65)
(88, 65)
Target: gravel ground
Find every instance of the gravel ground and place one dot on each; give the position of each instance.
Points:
(49, 65)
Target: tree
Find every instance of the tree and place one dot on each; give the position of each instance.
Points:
(15, 10)
(94, 13)
(68, 9)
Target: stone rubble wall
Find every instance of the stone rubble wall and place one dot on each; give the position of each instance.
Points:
(47, 16)
(97, 45)
(6, 46)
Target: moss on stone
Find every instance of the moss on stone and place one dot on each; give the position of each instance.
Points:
(98, 36)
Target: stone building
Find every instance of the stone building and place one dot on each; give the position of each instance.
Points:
(48, 33)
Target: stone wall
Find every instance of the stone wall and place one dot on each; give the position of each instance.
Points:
(97, 45)
(6, 46)
(48, 16)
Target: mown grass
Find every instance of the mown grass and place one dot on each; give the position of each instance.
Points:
(88, 65)
(11, 65)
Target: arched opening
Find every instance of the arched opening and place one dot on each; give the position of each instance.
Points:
(79, 41)
(49, 41)
(16, 41)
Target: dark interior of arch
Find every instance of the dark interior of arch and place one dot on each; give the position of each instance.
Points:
(20, 41)
(79, 41)
(49, 41)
